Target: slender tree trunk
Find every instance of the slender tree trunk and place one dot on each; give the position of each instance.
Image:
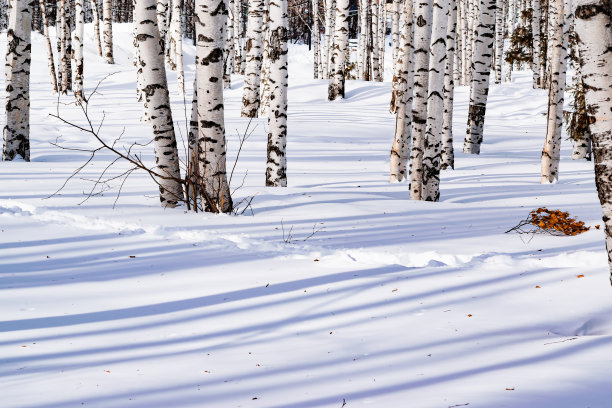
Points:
(395, 41)
(582, 135)
(63, 54)
(432, 146)
(594, 37)
(264, 104)
(316, 38)
(499, 40)
(535, 29)
(448, 153)
(211, 123)
(375, 42)
(250, 96)
(276, 169)
(422, 36)
(336, 79)
(228, 59)
(77, 50)
(364, 30)
(238, 49)
(157, 102)
(463, 29)
(558, 61)
(382, 28)
(403, 114)
(17, 71)
(480, 84)
(108, 31)
(511, 25)
(162, 21)
(51, 62)
(176, 44)
(96, 24)
(329, 26)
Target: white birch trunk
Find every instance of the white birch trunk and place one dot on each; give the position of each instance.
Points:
(108, 31)
(265, 66)
(336, 79)
(327, 45)
(403, 114)
(250, 96)
(162, 21)
(96, 24)
(432, 146)
(463, 29)
(157, 103)
(395, 28)
(316, 38)
(448, 153)
(594, 38)
(17, 71)
(382, 29)
(77, 50)
(176, 44)
(211, 155)
(558, 62)
(364, 40)
(511, 25)
(422, 35)
(499, 40)
(50, 60)
(228, 59)
(238, 49)
(276, 168)
(535, 29)
(375, 42)
(582, 141)
(63, 54)
(480, 84)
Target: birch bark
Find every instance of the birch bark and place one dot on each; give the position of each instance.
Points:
(432, 144)
(276, 169)
(254, 43)
(17, 71)
(51, 62)
(77, 50)
(448, 154)
(480, 84)
(108, 30)
(96, 24)
(535, 29)
(157, 102)
(211, 155)
(403, 114)
(422, 35)
(594, 37)
(558, 62)
(336, 79)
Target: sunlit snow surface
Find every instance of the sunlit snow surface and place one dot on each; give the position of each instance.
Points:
(391, 303)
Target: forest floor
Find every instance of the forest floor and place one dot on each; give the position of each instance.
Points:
(335, 291)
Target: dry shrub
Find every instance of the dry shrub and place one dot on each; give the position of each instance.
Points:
(554, 222)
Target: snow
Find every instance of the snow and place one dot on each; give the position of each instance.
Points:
(390, 303)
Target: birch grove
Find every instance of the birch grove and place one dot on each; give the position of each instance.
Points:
(254, 58)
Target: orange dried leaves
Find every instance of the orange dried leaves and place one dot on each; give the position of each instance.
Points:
(556, 221)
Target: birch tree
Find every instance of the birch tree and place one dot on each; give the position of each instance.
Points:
(448, 154)
(403, 114)
(175, 52)
(432, 142)
(376, 75)
(50, 60)
(422, 36)
(395, 50)
(77, 50)
(162, 21)
(558, 62)
(96, 24)
(481, 67)
(238, 49)
(499, 40)
(107, 14)
(535, 29)
(17, 72)
(594, 37)
(254, 56)
(210, 153)
(338, 59)
(157, 101)
(327, 44)
(276, 169)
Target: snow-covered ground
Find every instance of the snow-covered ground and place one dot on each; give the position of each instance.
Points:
(391, 303)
